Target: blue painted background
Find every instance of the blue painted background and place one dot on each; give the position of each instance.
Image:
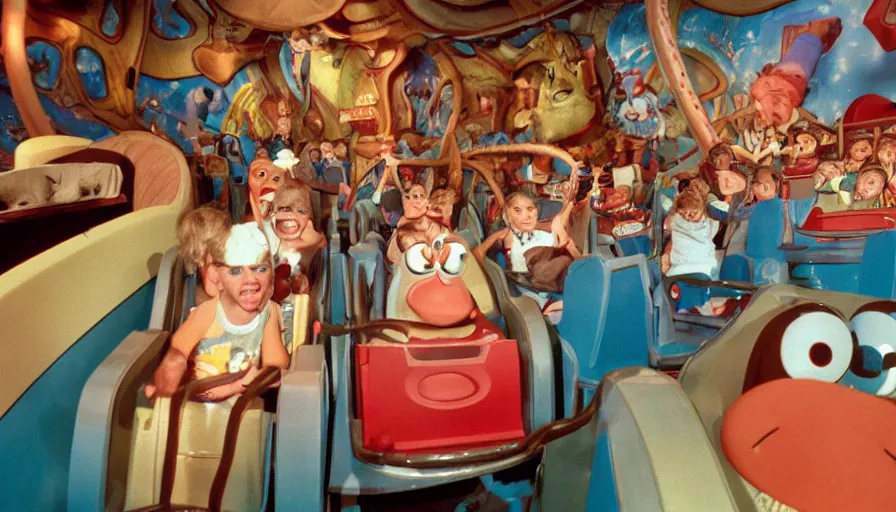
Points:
(37, 431)
(855, 66)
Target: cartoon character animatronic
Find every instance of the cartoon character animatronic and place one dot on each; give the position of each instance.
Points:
(860, 151)
(798, 433)
(264, 179)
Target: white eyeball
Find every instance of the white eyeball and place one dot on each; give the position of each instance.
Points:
(818, 346)
(878, 330)
(454, 264)
(416, 261)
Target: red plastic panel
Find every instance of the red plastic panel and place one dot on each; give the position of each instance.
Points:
(437, 396)
(871, 219)
(881, 21)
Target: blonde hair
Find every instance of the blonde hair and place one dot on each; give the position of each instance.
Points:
(689, 199)
(518, 195)
(203, 232)
(699, 186)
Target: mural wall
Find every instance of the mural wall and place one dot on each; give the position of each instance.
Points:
(338, 82)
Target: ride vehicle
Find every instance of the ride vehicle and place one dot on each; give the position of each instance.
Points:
(73, 302)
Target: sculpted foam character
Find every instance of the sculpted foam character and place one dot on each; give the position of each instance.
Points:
(764, 184)
(264, 180)
(860, 151)
(781, 88)
(237, 333)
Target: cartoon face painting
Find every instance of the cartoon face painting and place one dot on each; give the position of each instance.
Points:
(808, 430)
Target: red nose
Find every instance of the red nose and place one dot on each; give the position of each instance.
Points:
(438, 303)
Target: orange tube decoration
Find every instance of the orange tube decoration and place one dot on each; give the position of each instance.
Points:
(16, 61)
(669, 59)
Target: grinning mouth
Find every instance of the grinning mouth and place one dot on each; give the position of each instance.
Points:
(764, 437)
(287, 229)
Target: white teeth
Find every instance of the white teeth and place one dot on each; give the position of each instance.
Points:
(269, 197)
(290, 224)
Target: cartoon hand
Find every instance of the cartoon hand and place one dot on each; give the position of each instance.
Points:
(377, 197)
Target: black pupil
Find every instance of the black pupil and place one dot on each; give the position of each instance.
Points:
(820, 354)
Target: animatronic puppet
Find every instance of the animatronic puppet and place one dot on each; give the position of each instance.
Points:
(804, 155)
(235, 333)
(726, 180)
(781, 88)
(418, 224)
(798, 433)
(264, 180)
(292, 238)
(638, 113)
(433, 288)
(859, 153)
(858, 190)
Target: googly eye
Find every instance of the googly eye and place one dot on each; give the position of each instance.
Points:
(457, 256)
(818, 346)
(876, 333)
(416, 261)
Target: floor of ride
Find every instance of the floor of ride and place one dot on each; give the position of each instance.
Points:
(479, 495)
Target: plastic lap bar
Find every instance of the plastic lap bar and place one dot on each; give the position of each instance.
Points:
(432, 395)
(690, 280)
(265, 378)
(521, 450)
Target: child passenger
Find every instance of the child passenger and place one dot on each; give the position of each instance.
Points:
(197, 231)
(691, 250)
(238, 332)
(543, 255)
